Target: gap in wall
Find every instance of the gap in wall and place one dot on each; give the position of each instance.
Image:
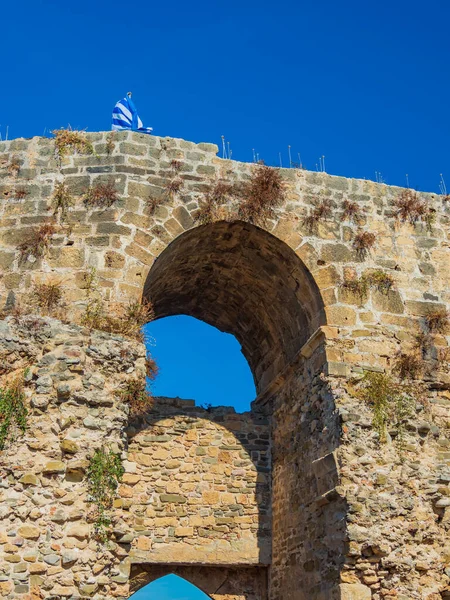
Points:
(197, 361)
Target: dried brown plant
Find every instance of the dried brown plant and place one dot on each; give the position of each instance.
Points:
(408, 365)
(261, 195)
(38, 242)
(213, 206)
(350, 211)
(321, 211)
(437, 321)
(363, 242)
(101, 195)
(14, 165)
(20, 193)
(409, 207)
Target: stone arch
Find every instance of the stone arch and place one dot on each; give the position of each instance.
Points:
(245, 281)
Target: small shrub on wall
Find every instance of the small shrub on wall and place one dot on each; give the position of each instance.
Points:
(13, 412)
(103, 476)
(101, 195)
(69, 140)
(38, 242)
(259, 196)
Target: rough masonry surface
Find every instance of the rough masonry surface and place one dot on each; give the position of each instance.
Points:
(296, 500)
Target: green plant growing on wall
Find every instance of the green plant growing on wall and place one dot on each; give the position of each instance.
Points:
(61, 200)
(103, 476)
(392, 403)
(69, 140)
(13, 412)
(38, 242)
(378, 280)
(321, 211)
(102, 195)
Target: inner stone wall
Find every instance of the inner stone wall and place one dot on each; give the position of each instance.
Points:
(197, 487)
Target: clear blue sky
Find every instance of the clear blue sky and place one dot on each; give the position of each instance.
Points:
(197, 361)
(364, 83)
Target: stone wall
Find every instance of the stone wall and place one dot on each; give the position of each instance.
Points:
(351, 518)
(47, 546)
(197, 487)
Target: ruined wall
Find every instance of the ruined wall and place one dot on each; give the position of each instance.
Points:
(351, 518)
(47, 546)
(196, 487)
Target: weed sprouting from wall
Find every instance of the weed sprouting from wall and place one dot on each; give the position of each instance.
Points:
(350, 211)
(126, 320)
(358, 286)
(13, 167)
(110, 142)
(213, 206)
(409, 365)
(61, 200)
(321, 211)
(101, 195)
(261, 195)
(437, 321)
(377, 279)
(409, 207)
(175, 184)
(69, 140)
(363, 242)
(392, 402)
(103, 476)
(38, 242)
(13, 412)
(136, 396)
(152, 204)
(48, 297)
(20, 193)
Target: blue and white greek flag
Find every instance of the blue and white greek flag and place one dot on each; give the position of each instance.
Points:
(125, 116)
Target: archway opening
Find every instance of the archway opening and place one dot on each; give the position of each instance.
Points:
(244, 281)
(170, 587)
(197, 361)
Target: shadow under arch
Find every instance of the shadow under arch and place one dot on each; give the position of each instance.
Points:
(222, 480)
(244, 281)
(215, 582)
(159, 574)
